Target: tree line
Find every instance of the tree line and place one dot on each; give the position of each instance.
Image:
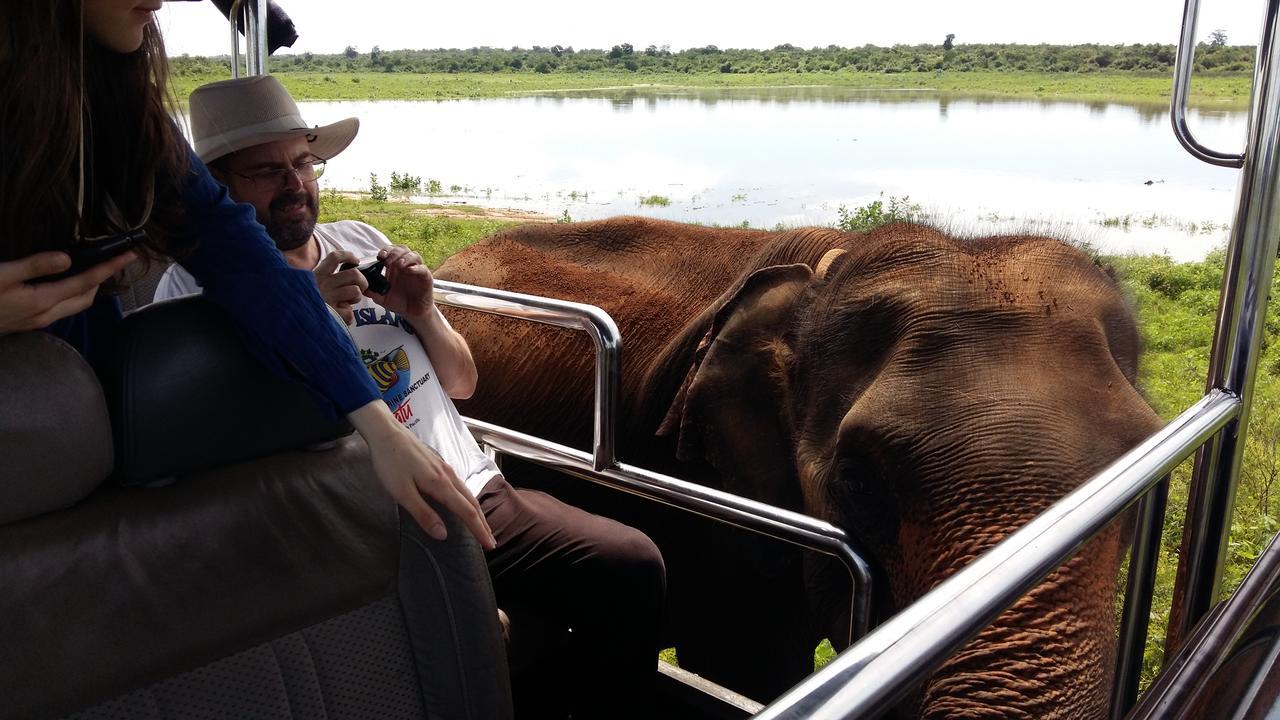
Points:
(1215, 56)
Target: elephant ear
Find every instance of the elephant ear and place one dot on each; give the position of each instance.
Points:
(731, 407)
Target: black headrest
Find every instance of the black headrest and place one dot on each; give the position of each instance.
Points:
(184, 394)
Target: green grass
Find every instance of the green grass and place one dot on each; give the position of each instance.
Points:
(1175, 304)
(1219, 90)
(434, 238)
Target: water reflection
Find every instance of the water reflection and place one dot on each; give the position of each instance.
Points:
(651, 96)
(1106, 172)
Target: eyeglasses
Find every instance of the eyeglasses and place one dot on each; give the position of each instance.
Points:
(275, 178)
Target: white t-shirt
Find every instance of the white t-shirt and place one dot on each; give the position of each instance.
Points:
(391, 350)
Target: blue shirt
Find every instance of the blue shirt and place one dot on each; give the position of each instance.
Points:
(277, 308)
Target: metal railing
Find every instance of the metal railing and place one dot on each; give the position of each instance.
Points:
(576, 316)
(601, 466)
(252, 14)
(1189, 673)
(1250, 263)
(868, 678)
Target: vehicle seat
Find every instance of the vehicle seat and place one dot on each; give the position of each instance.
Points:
(285, 585)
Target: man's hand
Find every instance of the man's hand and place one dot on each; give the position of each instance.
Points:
(24, 306)
(341, 289)
(411, 284)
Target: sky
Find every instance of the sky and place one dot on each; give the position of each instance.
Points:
(328, 26)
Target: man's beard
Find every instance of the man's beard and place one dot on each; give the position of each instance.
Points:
(293, 232)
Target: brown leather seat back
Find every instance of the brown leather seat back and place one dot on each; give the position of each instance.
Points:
(284, 586)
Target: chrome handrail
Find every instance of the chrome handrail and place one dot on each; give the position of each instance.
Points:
(601, 465)
(561, 313)
(1190, 671)
(1135, 617)
(1250, 262)
(1182, 66)
(255, 32)
(868, 678)
(745, 513)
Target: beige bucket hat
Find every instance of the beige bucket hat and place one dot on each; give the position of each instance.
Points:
(231, 115)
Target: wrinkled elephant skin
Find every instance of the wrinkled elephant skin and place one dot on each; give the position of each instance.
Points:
(928, 394)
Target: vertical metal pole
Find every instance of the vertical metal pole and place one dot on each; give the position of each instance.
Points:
(255, 36)
(1250, 262)
(234, 17)
(1137, 599)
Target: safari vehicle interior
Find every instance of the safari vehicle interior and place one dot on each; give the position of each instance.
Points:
(237, 566)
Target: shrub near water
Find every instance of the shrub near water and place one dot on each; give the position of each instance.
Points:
(874, 214)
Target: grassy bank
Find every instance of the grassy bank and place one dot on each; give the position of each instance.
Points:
(1229, 90)
(434, 238)
(1175, 303)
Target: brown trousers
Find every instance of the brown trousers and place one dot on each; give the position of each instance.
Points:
(584, 594)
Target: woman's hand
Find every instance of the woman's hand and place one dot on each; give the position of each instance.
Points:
(26, 306)
(409, 470)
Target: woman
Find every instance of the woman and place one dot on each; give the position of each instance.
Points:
(87, 149)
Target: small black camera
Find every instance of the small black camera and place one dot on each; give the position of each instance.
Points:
(373, 271)
(95, 251)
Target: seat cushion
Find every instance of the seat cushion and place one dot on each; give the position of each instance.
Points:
(356, 666)
(133, 585)
(55, 437)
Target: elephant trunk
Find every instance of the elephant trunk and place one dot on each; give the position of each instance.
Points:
(1051, 655)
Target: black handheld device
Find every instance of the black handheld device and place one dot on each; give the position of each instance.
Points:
(373, 271)
(86, 254)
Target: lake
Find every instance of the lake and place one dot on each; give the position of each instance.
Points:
(1111, 174)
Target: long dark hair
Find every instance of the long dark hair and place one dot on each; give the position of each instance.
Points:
(131, 143)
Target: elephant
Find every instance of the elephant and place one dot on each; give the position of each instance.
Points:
(929, 394)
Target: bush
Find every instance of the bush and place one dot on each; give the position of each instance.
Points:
(873, 214)
(376, 191)
(405, 184)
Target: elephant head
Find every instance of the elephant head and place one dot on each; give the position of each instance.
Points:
(930, 395)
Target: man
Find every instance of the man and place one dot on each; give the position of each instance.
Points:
(588, 578)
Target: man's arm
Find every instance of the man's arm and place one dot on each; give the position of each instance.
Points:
(411, 296)
(449, 353)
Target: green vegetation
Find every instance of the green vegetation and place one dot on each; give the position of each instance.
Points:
(874, 214)
(406, 184)
(1129, 73)
(1228, 90)
(1205, 227)
(655, 201)
(1176, 305)
(377, 191)
(434, 238)
(557, 60)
